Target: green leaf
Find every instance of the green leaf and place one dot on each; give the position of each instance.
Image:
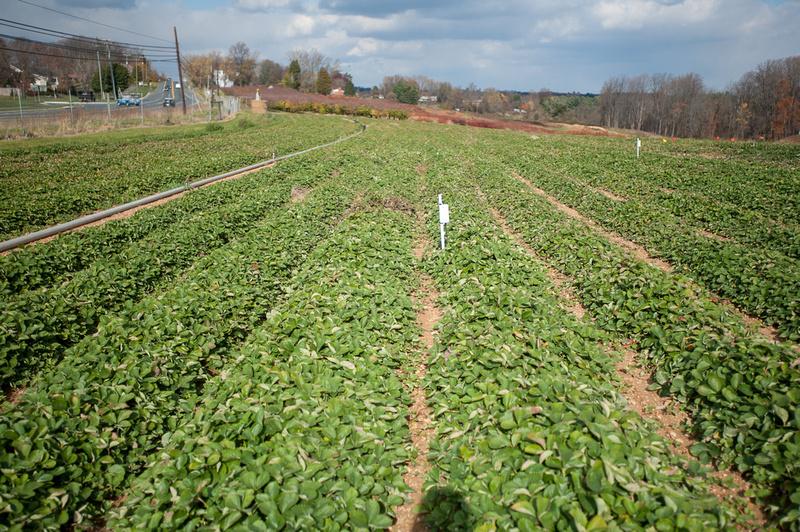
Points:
(286, 500)
(524, 507)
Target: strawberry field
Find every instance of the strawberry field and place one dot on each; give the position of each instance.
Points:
(248, 357)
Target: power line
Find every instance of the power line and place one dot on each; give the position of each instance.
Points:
(92, 21)
(62, 34)
(63, 46)
(74, 58)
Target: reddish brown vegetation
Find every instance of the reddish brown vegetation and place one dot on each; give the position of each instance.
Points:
(424, 114)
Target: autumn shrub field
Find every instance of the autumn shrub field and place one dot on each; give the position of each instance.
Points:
(606, 343)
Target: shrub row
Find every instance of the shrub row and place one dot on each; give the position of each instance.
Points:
(336, 109)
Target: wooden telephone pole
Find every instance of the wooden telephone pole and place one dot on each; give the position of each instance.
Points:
(180, 72)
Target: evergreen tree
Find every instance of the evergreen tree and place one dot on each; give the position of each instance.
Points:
(292, 78)
(349, 88)
(121, 79)
(323, 82)
(406, 92)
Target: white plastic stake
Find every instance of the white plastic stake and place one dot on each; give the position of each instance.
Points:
(638, 146)
(444, 219)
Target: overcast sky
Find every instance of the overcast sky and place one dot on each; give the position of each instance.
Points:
(563, 45)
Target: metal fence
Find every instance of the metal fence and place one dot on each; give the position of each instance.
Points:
(76, 117)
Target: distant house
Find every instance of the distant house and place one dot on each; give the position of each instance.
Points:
(337, 92)
(43, 83)
(428, 99)
(221, 79)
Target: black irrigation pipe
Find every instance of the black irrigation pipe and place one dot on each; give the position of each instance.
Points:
(89, 218)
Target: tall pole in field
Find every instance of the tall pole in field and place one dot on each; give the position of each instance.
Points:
(111, 68)
(100, 77)
(71, 116)
(19, 97)
(180, 72)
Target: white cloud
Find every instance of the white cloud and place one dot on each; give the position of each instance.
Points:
(515, 44)
(364, 47)
(635, 14)
(261, 5)
(298, 26)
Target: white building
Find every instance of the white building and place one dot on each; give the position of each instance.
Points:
(221, 80)
(43, 83)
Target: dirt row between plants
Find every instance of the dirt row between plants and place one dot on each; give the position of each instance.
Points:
(641, 253)
(669, 418)
(409, 517)
(607, 193)
(713, 236)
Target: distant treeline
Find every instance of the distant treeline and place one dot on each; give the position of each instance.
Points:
(765, 102)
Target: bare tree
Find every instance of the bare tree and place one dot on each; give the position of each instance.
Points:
(311, 61)
(243, 64)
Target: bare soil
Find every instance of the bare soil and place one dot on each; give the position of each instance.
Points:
(298, 194)
(607, 193)
(671, 423)
(13, 395)
(419, 422)
(713, 236)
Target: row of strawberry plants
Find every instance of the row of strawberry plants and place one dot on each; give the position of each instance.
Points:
(531, 433)
(726, 219)
(76, 437)
(307, 429)
(742, 391)
(763, 184)
(760, 282)
(47, 188)
(38, 326)
(44, 265)
(770, 189)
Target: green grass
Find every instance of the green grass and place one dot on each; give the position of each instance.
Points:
(28, 102)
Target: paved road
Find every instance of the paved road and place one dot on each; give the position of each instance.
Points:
(152, 100)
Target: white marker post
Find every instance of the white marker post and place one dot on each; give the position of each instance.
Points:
(638, 146)
(444, 218)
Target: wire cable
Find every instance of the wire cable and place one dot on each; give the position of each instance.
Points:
(117, 55)
(62, 34)
(93, 21)
(75, 58)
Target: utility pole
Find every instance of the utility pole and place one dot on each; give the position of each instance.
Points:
(100, 76)
(19, 97)
(71, 116)
(111, 68)
(180, 72)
